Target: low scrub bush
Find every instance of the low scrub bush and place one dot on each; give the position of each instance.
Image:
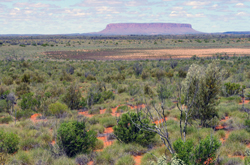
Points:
(6, 120)
(9, 142)
(74, 139)
(29, 143)
(190, 154)
(58, 109)
(125, 160)
(107, 121)
(128, 132)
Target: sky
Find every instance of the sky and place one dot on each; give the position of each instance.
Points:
(83, 16)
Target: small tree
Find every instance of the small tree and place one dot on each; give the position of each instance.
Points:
(127, 132)
(73, 96)
(208, 82)
(73, 138)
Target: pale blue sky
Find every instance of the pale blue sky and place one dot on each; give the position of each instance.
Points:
(83, 16)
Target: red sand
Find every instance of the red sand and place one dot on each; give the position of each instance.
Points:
(219, 127)
(53, 142)
(34, 118)
(85, 113)
(108, 130)
(245, 101)
(225, 138)
(90, 163)
(105, 141)
(160, 121)
(137, 159)
(114, 111)
(102, 111)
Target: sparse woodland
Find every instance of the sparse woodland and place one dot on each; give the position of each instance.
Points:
(174, 112)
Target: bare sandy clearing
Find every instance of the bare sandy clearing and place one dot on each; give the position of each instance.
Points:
(137, 54)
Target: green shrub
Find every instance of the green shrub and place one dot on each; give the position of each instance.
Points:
(107, 121)
(125, 160)
(6, 120)
(241, 136)
(91, 77)
(7, 80)
(232, 88)
(199, 154)
(28, 101)
(8, 142)
(23, 114)
(94, 111)
(73, 138)
(247, 124)
(99, 144)
(99, 129)
(128, 132)
(72, 97)
(58, 109)
(182, 73)
(29, 143)
(122, 109)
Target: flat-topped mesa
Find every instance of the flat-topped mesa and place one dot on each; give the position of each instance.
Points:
(147, 29)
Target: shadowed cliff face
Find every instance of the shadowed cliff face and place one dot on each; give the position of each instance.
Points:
(147, 29)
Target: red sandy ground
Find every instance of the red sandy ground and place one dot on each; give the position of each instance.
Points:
(225, 138)
(34, 118)
(85, 113)
(114, 113)
(160, 121)
(137, 159)
(105, 138)
(245, 101)
(220, 126)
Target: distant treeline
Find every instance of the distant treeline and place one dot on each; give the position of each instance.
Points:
(129, 37)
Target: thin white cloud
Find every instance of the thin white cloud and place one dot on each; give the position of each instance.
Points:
(33, 5)
(196, 3)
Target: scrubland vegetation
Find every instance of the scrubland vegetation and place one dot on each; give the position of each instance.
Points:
(176, 111)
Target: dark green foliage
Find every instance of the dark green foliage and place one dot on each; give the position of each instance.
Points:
(72, 97)
(247, 124)
(22, 89)
(232, 88)
(127, 132)
(159, 74)
(164, 92)
(74, 139)
(23, 114)
(96, 96)
(133, 89)
(25, 78)
(28, 101)
(203, 84)
(204, 151)
(184, 150)
(6, 120)
(138, 68)
(8, 142)
(91, 77)
(182, 73)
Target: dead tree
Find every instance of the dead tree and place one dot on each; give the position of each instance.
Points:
(185, 106)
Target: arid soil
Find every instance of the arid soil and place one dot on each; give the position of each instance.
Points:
(136, 54)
